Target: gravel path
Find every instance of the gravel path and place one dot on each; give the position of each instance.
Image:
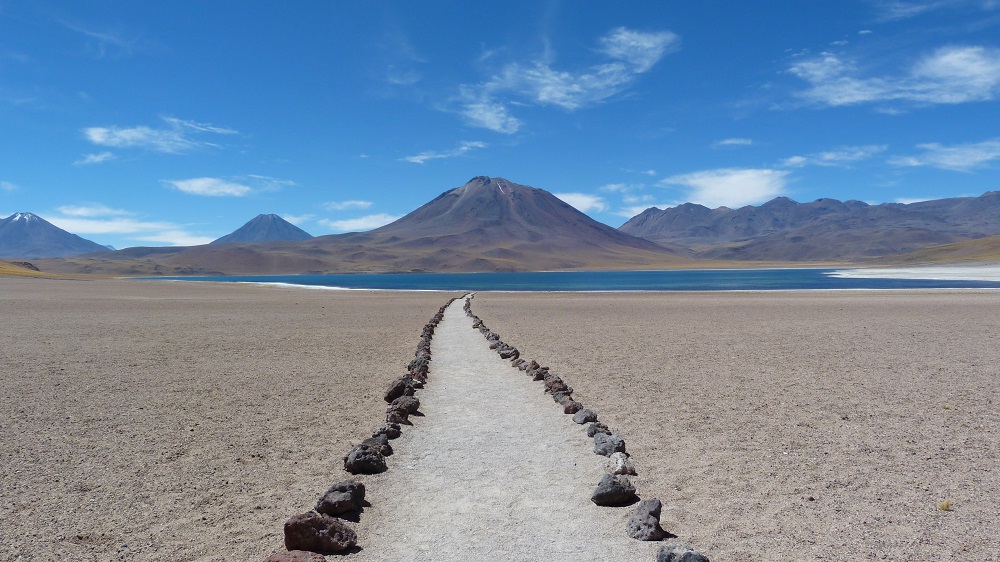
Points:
(494, 471)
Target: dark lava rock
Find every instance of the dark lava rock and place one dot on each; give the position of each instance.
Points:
(408, 403)
(605, 444)
(403, 386)
(555, 384)
(343, 497)
(316, 532)
(516, 363)
(572, 407)
(529, 366)
(397, 414)
(644, 523)
(390, 430)
(679, 553)
(595, 428)
(364, 460)
(296, 556)
(380, 443)
(614, 491)
(539, 373)
(585, 416)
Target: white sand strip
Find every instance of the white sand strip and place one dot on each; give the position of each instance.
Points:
(494, 471)
(939, 273)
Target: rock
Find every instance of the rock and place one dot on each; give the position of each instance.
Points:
(539, 373)
(572, 407)
(510, 353)
(605, 444)
(562, 396)
(397, 414)
(595, 428)
(343, 497)
(529, 366)
(407, 403)
(614, 491)
(390, 430)
(585, 416)
(555, 384)
(644, 523)
(296, 556)
(403, 386)
(364, 460)
(621, 464)
(679, 553)
(380, 443)
(516, 363)
(316, 532)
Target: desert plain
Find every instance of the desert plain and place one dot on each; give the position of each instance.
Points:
(148, 420)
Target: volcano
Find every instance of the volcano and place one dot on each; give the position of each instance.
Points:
(27, 235)
(265, 228)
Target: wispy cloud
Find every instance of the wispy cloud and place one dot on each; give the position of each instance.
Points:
(91, 210)
(177, 137)
(733, 142)
(298, 219)
(949, 75)
(843, 156)
(905, 9)
(359, 224)
(958, 157)
(105, 43)
(99, 219)
(462, 148)
(584, 202)
(7, 186)
(628, 54)
(94, 158)
(211, 187)
(346, 205)
(729, 187)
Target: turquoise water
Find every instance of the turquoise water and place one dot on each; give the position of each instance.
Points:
(679, 280)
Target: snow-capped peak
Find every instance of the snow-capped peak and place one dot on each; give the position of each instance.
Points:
(26, 217)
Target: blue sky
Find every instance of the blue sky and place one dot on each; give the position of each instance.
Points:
(164, 123)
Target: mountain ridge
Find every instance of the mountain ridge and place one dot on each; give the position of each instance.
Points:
(27, 235)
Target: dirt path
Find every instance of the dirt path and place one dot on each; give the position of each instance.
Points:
(494, 471)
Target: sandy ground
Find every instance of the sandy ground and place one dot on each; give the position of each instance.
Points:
(156, 421)
(493, 471)
(791, 426)
(165, 421)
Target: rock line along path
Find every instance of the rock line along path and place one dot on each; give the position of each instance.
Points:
(493, 471)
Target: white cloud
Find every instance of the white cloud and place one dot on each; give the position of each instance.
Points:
(733, 142)
(362, 223)
(462, 148)
(95, 158)
(630, 53)
(176, 238)
(843, 156)
(211, 187)
(904, 9)
(91, 210)
(959, 157)
(583, 202)
(730, 187)
(7, 186)
(174, 139)
(949, 75)
(298, 219)
(345, 205)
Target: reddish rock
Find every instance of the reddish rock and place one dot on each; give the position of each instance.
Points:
(407, 403)
(572, 407)
(316, 532)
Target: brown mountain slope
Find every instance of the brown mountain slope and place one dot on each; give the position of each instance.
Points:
(980, 250)
(488, 224)
(825, 229)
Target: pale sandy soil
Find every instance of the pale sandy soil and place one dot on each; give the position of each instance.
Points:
(149, 421)
(791, 426)
(166, 421)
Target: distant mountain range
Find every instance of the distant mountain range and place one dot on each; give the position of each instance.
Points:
(25, 235)
(823, 230)
(492, 224)
(265, 228)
